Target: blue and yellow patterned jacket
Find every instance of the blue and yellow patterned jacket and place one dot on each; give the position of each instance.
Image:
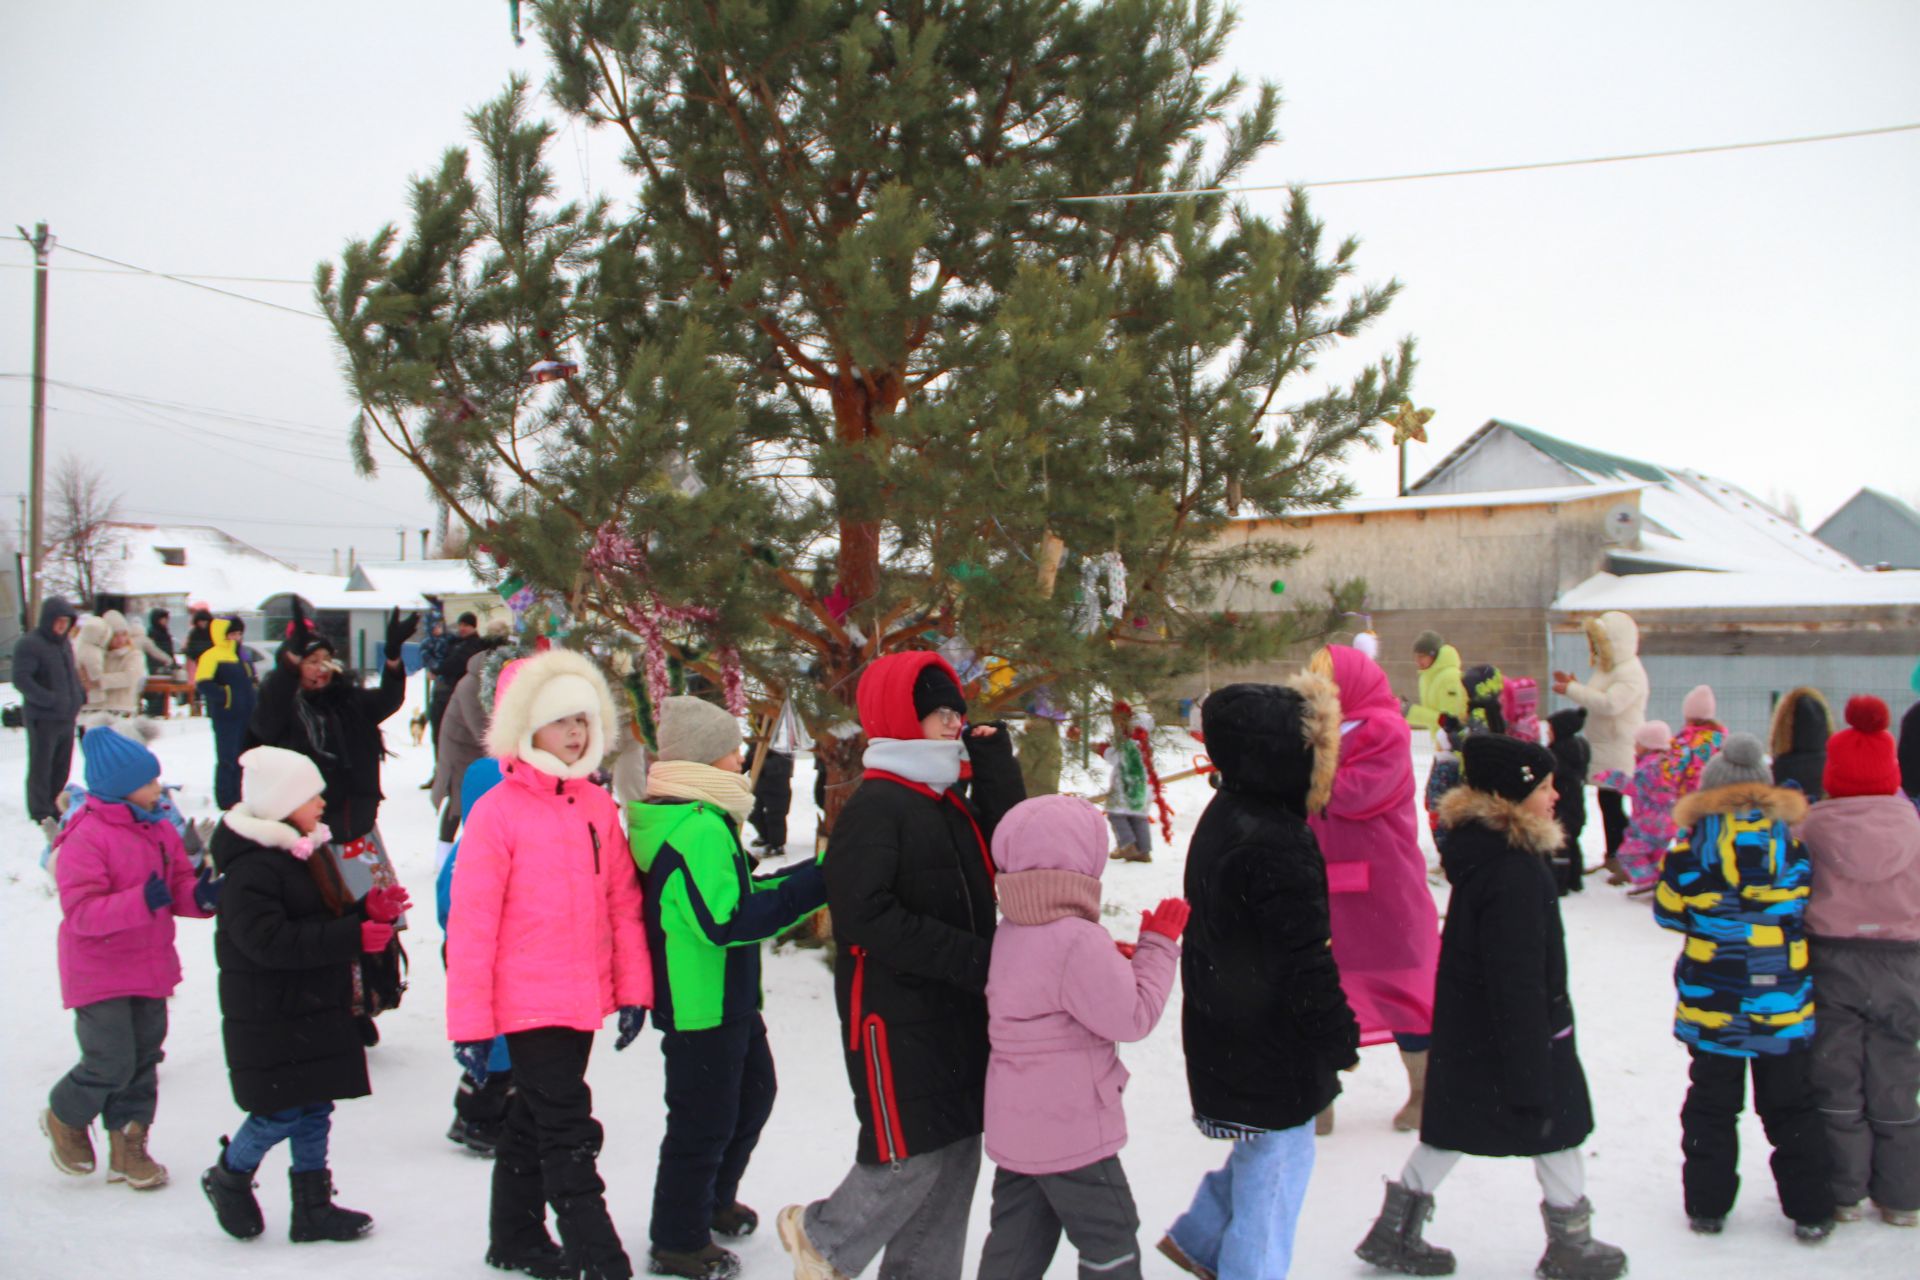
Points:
(1735, 882)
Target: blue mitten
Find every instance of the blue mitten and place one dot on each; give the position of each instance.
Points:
(472, 1057)
(632, 1019)
(158, 895)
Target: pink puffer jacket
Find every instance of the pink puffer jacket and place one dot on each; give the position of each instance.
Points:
(110, 944)
(544, 928)
(1059, 995)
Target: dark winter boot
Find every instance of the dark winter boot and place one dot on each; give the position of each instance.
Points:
(735, 1222)
(543, 1260)
(1572, 1252)
(316, 1216)
(231, 1194)
(1395, 1243)
(710, 1263)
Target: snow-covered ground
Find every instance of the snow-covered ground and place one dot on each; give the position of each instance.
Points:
(391, 1157)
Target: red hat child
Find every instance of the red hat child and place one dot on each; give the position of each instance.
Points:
(1861, 760)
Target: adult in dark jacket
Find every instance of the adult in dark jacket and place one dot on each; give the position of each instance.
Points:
(48, 677)
(1802, 723)
(226, 680)
(463, 739)
(160, 638)
(772, 798)
(1572, 758)
(452, 669)
(910, 889)
(1504, 1076)
(286, 945)
(1265, 1023)
(198, 638)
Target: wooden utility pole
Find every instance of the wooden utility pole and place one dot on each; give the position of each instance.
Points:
(42, 244)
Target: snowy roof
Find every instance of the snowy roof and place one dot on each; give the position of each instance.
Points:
(203, 565)
(1693, 590)
(1690, 520)
(1442, 501)
(417, 578)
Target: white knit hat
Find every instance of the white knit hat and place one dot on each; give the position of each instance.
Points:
(274, 782)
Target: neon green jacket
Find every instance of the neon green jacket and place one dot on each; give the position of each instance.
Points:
(1441, 692)
(706, 914)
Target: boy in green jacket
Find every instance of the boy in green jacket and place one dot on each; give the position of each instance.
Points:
(706, 916)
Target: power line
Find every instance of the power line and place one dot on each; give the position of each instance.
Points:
(305, 431)
(172, 275)
(1477, 172)
(194, 284)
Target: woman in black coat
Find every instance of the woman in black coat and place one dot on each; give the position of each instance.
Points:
(1802, 723)
(910, 890)
(287, 947)
(1504, 1075)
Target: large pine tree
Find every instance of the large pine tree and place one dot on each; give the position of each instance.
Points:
(844, 369)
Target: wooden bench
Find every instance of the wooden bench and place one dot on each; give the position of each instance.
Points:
(172, 687)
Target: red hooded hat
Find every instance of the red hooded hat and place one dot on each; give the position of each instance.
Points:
(885, 696)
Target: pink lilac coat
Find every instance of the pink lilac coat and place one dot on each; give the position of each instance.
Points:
(1059, 994)
(1866, 868)
(1386, 929)
(1655, 787)
(1694, 745)
(544, 929)
(110, 944)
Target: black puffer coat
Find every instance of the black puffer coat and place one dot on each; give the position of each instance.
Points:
(338, 728)
(1802, 723)
(1264, 1022)
(286, 976)
(1503, 1075)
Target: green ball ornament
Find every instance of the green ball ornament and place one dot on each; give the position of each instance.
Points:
(1278, 588)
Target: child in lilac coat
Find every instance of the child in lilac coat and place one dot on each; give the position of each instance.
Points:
(1060, 994)
(123, 875)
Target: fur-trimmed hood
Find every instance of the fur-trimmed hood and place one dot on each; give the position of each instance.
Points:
(544, 688)
(1614, 638)
(1779, 804)
(1276, 740)
(1527, 832)
(1802, 721)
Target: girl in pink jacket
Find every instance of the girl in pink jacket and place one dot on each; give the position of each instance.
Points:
(544, 940)
(1060, 993)
(123, 877)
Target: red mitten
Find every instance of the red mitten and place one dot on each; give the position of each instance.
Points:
(375, 936)
(386, 903)
(1125, 948)
(1169, 919)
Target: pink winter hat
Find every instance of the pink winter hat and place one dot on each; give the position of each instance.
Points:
(1052, 833)
(1699, 703)
(1654, 735)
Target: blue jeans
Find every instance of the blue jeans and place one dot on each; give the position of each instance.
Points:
(304, 1129)
(1241, 1223)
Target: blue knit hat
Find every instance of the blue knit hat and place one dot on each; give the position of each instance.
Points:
(117, 766)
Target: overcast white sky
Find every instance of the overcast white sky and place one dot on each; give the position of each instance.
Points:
(1754, 314)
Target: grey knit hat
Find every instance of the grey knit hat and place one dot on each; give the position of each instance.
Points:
(1428, 642)
(1741, 758)
(694, 729)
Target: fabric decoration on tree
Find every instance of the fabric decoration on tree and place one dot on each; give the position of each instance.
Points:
(552, 371)
(1143, 745)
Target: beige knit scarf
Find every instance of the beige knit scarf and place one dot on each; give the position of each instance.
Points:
(690, 780)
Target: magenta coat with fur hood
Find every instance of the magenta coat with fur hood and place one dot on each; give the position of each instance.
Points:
(1060, 994)
(110, 944)
(544, 929)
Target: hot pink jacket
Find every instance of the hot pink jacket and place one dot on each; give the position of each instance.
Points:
(1386, 929)
(1866, 868)
(1058, 997)
(110, 944)
(544, 929)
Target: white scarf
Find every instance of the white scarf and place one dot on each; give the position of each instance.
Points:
(691, 780)
(932, 762)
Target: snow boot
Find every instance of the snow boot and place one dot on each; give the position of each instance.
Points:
(1323, 1123)
(808, 1263)
(1706, 1226)
(316, 1216)
(128, 1161)
(1128, 852)
(231, 1194)
(710, 1263)
(1407, 1119)
(72, 1148)
(1813, 1232)
(543, 1260)
(1855, 1212)
(1394, 1244)
(735, 1222)
(1572, 1252)
(1900, 1217)
(480, 1138)
(1170, 1250)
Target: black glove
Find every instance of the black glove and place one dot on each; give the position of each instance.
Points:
(299, 635)
(632, 1019)
(472, 1056)
(999, 743)
(398, 629)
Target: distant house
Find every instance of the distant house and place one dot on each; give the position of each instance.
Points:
(450, 585)
(1876, 529)
(1516, 537)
